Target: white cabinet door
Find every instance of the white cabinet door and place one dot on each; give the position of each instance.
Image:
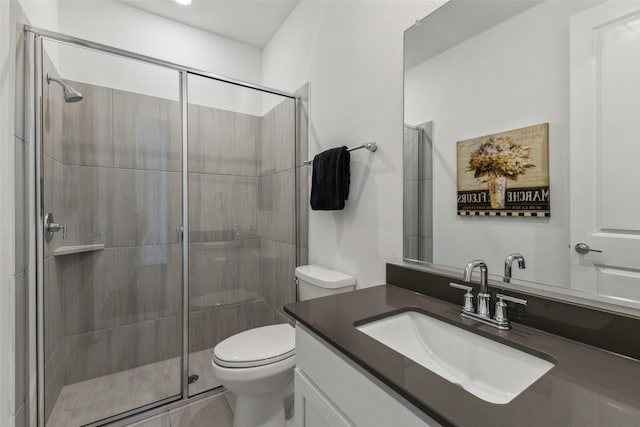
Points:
(605, 150)
(359, 398)
(313, 408)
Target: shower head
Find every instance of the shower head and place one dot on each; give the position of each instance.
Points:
(70, 94)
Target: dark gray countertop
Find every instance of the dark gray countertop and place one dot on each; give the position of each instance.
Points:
(586, 387)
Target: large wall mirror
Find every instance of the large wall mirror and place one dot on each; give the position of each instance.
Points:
(479, 68)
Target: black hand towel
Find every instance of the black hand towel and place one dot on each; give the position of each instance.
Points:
(330, 179)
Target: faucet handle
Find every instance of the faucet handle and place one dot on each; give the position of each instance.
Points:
(512, 299)
(468, 296)
(50, 227)
(501, 306)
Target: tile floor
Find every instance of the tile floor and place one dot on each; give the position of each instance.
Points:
(210, 412)
(99, 398)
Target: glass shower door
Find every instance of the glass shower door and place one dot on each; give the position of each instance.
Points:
(111, 159)
(241, 204)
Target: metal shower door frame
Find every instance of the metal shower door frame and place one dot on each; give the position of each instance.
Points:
(34, 51)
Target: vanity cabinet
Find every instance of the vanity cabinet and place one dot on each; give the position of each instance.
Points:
(332, 391)
(314, 407)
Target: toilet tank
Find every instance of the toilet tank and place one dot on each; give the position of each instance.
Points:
(316, 281)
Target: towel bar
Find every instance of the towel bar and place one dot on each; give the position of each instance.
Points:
(371, 146)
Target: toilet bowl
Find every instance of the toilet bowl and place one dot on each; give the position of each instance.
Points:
(257, 364)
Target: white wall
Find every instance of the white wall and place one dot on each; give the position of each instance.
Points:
(121, 26)
(41, 13)
(351, 53)
(511, 76)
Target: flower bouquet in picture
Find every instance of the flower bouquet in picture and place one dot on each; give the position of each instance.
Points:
(498, 159)
(505, 174)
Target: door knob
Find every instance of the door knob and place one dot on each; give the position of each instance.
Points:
(583, 248)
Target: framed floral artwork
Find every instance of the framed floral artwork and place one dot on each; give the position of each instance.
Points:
(505, 173)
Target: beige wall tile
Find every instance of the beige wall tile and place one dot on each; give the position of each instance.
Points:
(211, 136)
(284, 135)
(170, 135)
(147, 207)
(53, 310)
(136, 131)
(87, 279)
(104, 352)
(88, 204)
(147, 283)
(88, 127)
(54, 377)
(210, 205)
(247, 134)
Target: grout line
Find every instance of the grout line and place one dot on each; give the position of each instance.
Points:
(166, 171)
(125, 325)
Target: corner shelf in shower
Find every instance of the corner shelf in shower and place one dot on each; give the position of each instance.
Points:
(67, 250)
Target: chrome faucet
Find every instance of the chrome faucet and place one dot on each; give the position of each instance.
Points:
(482, 312)
(483, 296)
(507, 265)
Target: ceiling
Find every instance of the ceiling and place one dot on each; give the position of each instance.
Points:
(252, 22)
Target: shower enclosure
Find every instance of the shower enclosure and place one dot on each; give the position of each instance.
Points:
(168, 219)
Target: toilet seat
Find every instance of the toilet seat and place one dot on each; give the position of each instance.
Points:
(256, 347)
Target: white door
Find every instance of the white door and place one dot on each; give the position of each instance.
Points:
(605, 149)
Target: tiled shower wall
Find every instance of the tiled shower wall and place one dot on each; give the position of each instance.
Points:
(53, 315)
(241, 202)
(224, 246)
(113, 163)
(276, 220)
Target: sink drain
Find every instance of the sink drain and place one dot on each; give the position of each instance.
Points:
(193, 378)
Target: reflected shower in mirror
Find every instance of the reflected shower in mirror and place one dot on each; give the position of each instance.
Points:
(418, 187)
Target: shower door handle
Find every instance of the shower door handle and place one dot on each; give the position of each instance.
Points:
(50, 227)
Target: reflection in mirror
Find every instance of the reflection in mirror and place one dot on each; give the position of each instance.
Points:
(475, 68)
(418, 187)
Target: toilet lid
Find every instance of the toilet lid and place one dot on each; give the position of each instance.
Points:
(256, 347)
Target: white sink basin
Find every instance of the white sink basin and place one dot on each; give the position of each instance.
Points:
(491, 371)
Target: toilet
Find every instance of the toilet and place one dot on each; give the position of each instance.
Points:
(257, 364)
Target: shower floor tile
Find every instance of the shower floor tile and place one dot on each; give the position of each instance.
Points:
(200, 364)
(98, 398)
